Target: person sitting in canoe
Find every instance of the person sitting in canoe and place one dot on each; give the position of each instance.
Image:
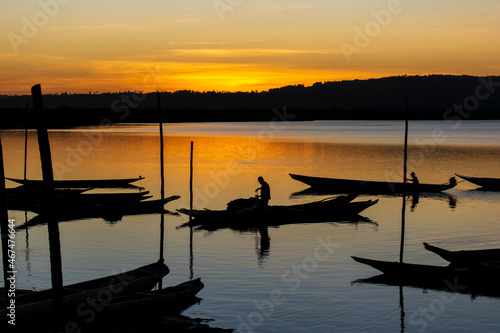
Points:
(453, 181)
(265, 193)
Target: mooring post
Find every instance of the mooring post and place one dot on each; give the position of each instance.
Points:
(191, 256)
(4, 226)
(403, 209)
(162, 187)
(51, 208)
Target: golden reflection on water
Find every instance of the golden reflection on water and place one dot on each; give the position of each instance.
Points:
(231, 263)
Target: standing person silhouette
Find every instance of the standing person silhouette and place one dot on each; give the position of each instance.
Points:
(414, 181)
(265, 193)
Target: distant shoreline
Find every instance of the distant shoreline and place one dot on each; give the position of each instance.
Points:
(70, 118)
(431, 97)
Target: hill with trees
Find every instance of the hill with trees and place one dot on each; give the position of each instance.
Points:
(429, 97)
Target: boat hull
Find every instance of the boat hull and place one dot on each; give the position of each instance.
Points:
(336, 185)
(37, 306)
(465, 258)
(325, 211)
(485, 183)
(80, 183)
(481, 280)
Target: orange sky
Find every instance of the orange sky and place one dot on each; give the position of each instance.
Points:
(78, 46)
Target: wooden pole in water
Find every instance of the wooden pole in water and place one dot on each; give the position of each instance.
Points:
(162, 185)
(48, 183)
(191, 181)
(403, 212)
(4, 226)
(191, 256)
(26, 141)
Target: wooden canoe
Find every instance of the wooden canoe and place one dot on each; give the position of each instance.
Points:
(330, 209)
(465, 257)
(485, 183)
(80, 183)
(37, 306)
(166, 298)
(17, 200)
(122, 207)
(109, 212)
(336, 185)
(481, 280)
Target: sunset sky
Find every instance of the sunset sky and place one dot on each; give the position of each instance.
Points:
(78, 46)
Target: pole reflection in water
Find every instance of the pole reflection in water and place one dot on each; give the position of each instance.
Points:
(264, 244)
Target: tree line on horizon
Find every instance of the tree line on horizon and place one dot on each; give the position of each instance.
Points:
(429, 97)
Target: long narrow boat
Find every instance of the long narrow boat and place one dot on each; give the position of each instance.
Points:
(166, 298)
(465, 258)
(109, 212)
(123, 207)
(80, 183)
(24, 200)
(482, 280)
(336, 185)
(485, 183)
(330, 209)
(37, 306)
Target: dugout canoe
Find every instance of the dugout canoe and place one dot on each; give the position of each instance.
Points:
(330, 209)
(483, 182)
(166, 298)
(80, 183)
(25, 200)
(122, 207)
(336, 185)
(36, 307)
(480, 280)
(465, 257)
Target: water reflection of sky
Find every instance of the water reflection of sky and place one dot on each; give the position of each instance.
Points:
(440, 132)
(231, 264)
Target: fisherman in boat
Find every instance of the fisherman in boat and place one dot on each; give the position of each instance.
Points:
(415, 182)
(265, 194)
(414, 179)
(453, 181)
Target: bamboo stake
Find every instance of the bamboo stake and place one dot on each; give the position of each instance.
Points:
(191, 256)
(162, 185)
(26, 141)
(403, 211)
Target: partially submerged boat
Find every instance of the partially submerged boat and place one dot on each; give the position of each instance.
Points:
(245, 212)
(484, 182)
(336, 185)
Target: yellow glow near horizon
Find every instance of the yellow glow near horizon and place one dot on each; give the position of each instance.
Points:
(115, 46)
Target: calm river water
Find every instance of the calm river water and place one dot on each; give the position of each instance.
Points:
(300, 277)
